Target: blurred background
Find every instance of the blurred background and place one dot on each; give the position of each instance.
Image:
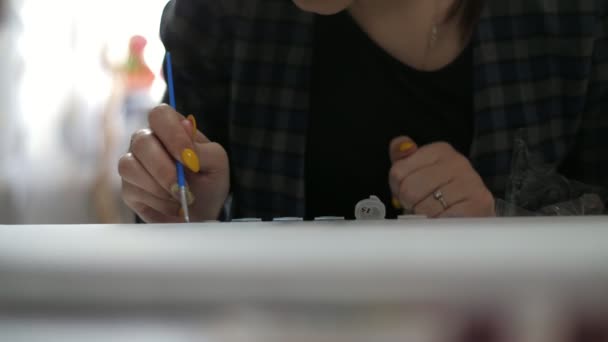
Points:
(76, 78)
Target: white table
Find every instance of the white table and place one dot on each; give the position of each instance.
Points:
(534, 270)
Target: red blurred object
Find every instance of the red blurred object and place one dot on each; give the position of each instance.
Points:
(137, 44)
(138, 76)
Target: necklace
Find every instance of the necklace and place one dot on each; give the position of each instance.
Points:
(433, 36)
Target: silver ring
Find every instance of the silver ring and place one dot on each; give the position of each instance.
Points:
(438, 195)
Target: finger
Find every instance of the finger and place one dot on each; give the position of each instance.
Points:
(401, 147)
(138, 134)
(423, 183)
(132, 171)
(213, 156)
(453, 194)
(424, 157)
(479, 205)
(151, 154)
(190, 124)
(200, 138)
(404, 168)
(133, 194)
(456, 211)
(168, 126)
(193, 129)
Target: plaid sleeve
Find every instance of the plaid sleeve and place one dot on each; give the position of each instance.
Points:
(195, 33)
(585, 190)
(592, 151)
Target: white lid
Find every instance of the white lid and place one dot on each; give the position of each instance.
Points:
(370, 209)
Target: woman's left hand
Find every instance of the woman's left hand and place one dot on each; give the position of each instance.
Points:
(437, 181)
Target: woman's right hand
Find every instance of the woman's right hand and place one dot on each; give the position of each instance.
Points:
(149, 176)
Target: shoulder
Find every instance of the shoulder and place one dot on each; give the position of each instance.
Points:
(229, 20)
(526, 20)
(554, 15)
(214, 10)
(549, 7)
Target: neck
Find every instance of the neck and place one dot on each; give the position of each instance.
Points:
(404, 29)
(382, 8)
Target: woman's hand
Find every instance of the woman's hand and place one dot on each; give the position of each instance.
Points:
(437, 181)
(149, 176)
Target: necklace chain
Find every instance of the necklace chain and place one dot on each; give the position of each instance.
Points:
(434, 36)
(431, 43)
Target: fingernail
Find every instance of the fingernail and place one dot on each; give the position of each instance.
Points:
(191, 160)
(177, 193)
(192, 120)
(396, 203)
(406, 146)
(189, 197)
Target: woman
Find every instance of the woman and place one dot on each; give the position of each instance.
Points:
(305, 108)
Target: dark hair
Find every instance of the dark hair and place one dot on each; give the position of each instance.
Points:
(470, 11)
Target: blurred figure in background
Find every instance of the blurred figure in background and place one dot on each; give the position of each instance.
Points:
(11, 70)
(56, 94)
(126, 109)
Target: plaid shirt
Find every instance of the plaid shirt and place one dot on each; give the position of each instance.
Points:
(243, 68)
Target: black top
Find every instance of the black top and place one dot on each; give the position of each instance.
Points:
(361, 99)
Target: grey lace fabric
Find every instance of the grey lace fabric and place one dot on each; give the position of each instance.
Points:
(537, 189)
